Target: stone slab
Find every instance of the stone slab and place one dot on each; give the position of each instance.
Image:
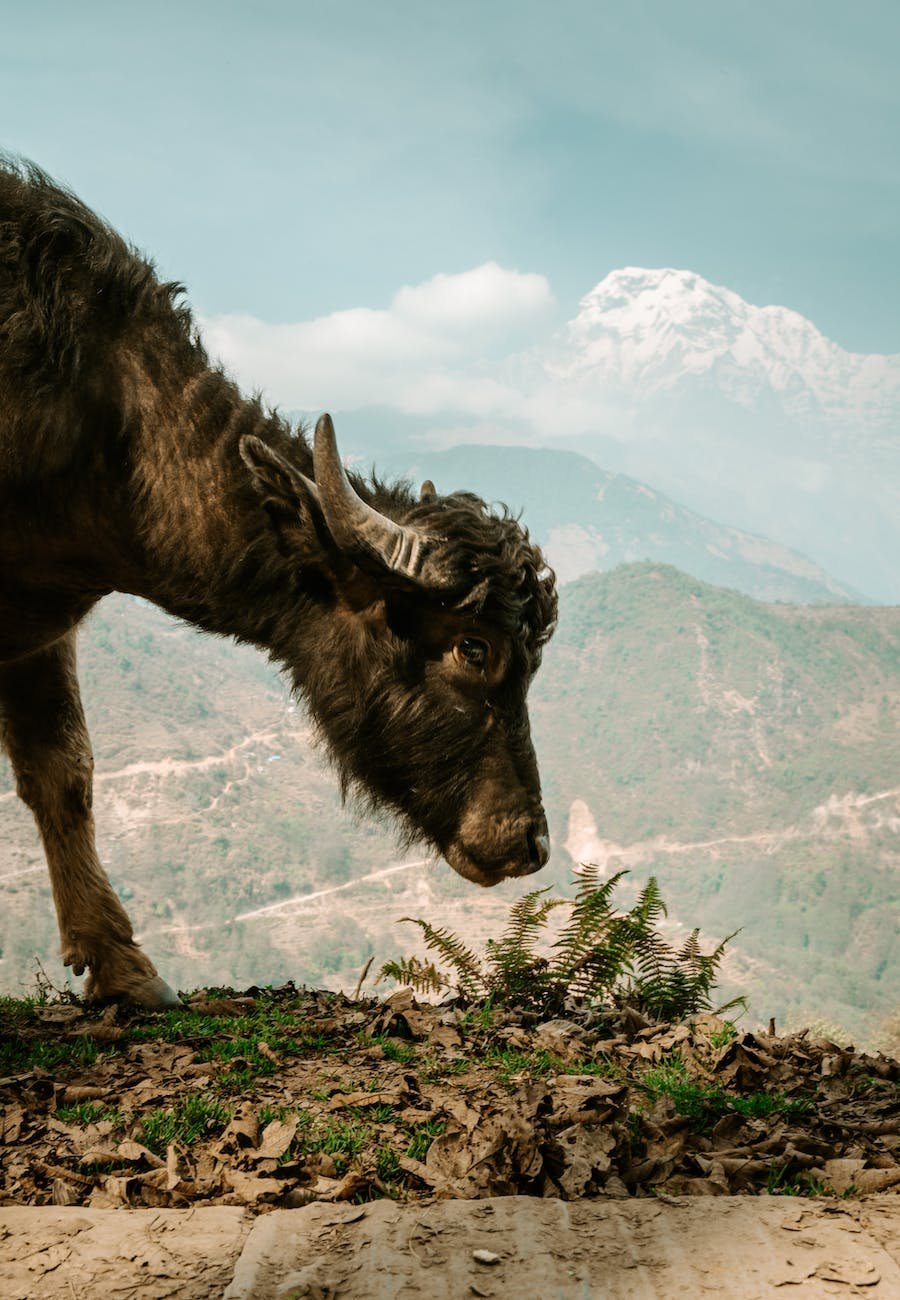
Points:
(69, 1252)
(730, 1248)
(736, 1248)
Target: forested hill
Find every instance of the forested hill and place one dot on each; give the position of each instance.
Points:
(722, 709)
(747, 754)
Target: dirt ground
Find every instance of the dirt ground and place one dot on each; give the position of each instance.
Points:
(736, 1248)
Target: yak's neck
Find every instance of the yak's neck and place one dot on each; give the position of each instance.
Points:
(209, 552)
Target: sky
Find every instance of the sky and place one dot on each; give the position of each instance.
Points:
(345, 166)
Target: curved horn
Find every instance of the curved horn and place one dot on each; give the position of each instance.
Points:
(356, 526)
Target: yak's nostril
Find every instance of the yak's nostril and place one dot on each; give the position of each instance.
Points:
(538, 845)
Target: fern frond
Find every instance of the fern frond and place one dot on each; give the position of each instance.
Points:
(739, 1001)
(611, 961)
(423, 977)
(671, 985)
(600, 953)
(591, 917)
(527, 918)
(649, 908)
(470, 977)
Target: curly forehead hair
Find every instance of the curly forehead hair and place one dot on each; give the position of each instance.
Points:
(506, 575)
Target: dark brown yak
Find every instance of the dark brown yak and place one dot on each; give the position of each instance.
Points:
(412, 627)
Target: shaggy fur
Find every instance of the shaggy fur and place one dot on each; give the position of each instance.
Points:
(124, 466)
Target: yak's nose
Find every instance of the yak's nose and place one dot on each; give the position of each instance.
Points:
(538, 843)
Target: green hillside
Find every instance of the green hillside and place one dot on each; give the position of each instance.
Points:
(211, 801)
(728, 711)
(748, 755)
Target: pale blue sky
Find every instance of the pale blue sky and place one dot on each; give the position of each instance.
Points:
(291, 159)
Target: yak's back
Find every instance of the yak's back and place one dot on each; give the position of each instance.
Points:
(73, 296)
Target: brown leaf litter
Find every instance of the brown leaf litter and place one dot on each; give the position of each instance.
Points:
(278, 1098)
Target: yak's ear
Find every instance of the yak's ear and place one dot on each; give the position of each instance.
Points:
(291, 499)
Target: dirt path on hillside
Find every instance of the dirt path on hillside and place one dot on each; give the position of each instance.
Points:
(168, 767)
(297, 901)
(165, 767)
(584, 843)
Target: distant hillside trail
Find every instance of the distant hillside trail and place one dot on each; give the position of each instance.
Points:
(166, 767)
(297, 899)
(176, 766)
(586, 845)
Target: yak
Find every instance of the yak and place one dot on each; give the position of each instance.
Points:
(411, 624)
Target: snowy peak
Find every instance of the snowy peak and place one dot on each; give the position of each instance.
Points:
(657, 330)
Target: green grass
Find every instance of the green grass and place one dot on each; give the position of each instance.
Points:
(237, 1081)
(393, 1050)
(781, 1183)
(358, 1134)
(703, 1104)
(89, 1112)
(197, 1115)
(387, 1164)
(421, 1137)
(267, 1114)
(342, 1139)
(509, 1063)
(433, 1069)
(19, 1009)
(537, 1064)
(722, 1037)
(235, 1041)
(19, 1055)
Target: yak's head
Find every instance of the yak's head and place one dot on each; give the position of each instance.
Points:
(422, 625)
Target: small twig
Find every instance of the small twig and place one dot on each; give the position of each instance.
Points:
(44, 987)
(362, 978)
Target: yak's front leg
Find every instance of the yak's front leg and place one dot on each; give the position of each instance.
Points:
(43, 729)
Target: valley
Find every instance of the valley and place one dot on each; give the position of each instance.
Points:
(745, 754)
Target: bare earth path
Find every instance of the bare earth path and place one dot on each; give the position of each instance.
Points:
(736, 1248)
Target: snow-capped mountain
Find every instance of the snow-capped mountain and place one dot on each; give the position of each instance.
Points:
(654, 331)
(746, 414)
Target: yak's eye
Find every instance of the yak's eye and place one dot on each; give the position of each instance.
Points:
(472, 651)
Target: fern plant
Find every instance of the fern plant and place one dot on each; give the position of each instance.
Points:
(669, 984)
(600, 955)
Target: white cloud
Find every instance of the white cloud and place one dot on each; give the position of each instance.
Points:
(486, 298)
(426, 352)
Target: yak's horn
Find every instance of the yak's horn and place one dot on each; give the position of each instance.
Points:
(356, 526)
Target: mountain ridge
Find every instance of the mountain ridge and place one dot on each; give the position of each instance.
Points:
(590, 519)
(658, 328)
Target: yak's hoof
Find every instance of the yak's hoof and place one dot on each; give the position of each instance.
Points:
(155, 994)
(151, 992)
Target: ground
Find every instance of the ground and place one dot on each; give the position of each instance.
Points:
(299, 1143)
(279, 1098)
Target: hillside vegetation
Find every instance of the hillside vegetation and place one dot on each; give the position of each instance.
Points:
(282, 1097)
(746, 755)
